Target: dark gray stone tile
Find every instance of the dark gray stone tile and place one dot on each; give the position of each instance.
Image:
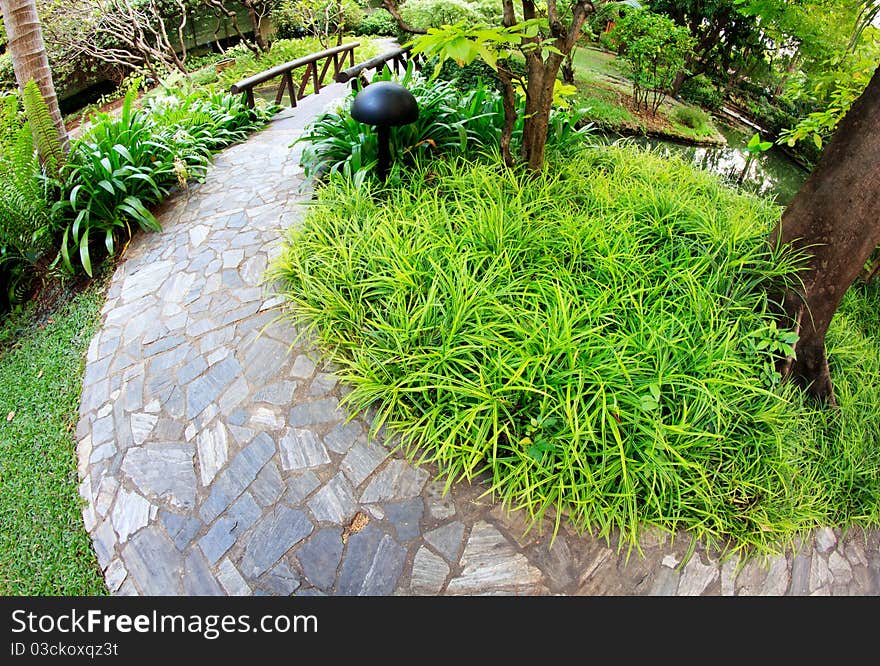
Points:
(268, 487)
(359, 555)
(320, 557)
(343, 436)
(165, 470)
(447, 540)
(281, 580)
(385, 570)
(300, 486)
(227, 529)
(237, 476)
(315, 413)
(197, 577)
(278, 532)
(405, 516)
(362, 460)
(180, 528)
(154, 562)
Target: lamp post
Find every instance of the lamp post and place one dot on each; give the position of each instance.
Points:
(384, 104)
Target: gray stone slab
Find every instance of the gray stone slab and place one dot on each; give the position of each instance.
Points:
(429, 573)
(362, 460)
(227, 529)
(213, 450)
(319, 557)
(334, 503)
(180, 528)
(300, 449)
(279, 393)
(130, 513)
(263, 360)
(343, 436)
(665, 582)
(237, 476)
(278, 532)
(299, 487)
(696, 577)
(104, 540)
(316, 412)
(303, 367)
(164, 470)
(198, 581)
(154, 562)
(268, 487)
(208, 388)
(800, 574)
(405, 516)
(490, 564)
(232, 581)
(281, 580)
(398, 480)
(359, 555)
(145, 280)
(384, 572)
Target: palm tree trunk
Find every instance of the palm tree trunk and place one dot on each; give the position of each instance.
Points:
(29, 59)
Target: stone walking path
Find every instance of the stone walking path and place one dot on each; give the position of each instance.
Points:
(216, 460)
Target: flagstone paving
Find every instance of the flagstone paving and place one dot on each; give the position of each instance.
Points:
(215, 459)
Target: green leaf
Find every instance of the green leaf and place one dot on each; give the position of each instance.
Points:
(84, 252)
(817, 140)
(754, 142)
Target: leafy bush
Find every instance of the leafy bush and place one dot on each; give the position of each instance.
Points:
(655, 49)
(700, 90)
(320, 18)
(692, 117)
(111, 177)
(124, 165)
(450, 122)
(476, 73)
(25, 190)
(595, 338)
(434, 13)
(378, 22)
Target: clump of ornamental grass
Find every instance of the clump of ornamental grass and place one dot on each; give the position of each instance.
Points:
(595, 340)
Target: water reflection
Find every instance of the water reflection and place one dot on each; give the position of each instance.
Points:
(771, 174)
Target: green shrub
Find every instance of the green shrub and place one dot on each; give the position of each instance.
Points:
(655, 48)
(434, 13)
(595, 338)
(378, 22)
(692, 117)
(26, 191)
(451, 122)
(123, 165)
(700, 90)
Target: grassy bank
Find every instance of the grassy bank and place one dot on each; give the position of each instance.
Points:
(44, 549)
(595, 340)
(603, 88)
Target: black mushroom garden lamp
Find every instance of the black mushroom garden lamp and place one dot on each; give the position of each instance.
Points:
(384, 104)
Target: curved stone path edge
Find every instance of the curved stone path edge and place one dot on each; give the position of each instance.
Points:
(215, 460)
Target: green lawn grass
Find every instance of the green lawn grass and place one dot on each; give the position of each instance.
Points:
(44, 548)
(594, 339)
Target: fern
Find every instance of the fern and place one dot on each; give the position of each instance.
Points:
(25, 214)
(43, 127)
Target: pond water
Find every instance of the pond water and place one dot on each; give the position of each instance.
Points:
(771, 174)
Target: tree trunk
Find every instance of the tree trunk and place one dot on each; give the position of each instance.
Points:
(833, 218)
(29, 59)
(539, 102)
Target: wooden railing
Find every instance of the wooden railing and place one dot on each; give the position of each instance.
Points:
(397, 60)
(336, 55)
